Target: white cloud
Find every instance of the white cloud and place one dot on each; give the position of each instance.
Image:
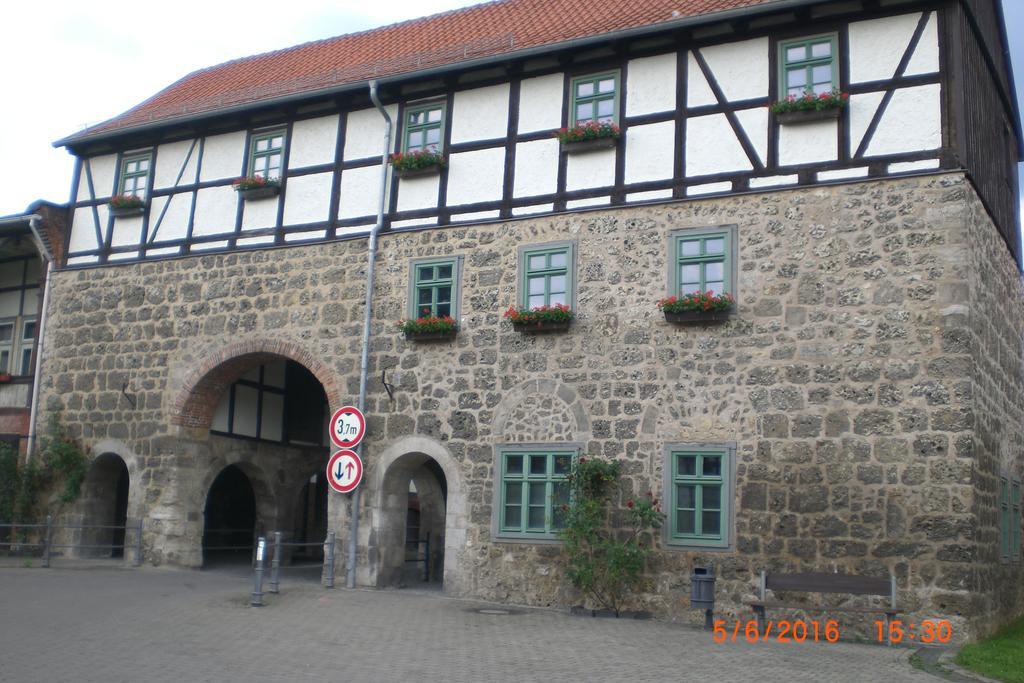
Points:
(69, 64)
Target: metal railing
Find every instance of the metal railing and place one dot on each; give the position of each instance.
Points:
(227, 544)
(426, 555)
(48, 545)
(277, 545)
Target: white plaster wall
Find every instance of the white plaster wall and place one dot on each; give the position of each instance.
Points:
(175, 223)
(540, 103)
(698, 92)
(260, 213)
(272, 421)
(313, 142)
(741, 69)
(476, 216)
(359, 192)
(476, 176)
(480, 114)
(925, 59)
(861, 109)
(754, 123)
(223, 156)
(83, 231)
(364, 132)
(591, 201)
(877, 45)
(912, 122)
(590, 169)
(650, 151)
(651, 85)
(169, 159)
(215, 211)
(648, 196)
(418, 193)
(712, 147)
(103, 171)
(808, 143)
(308, 199)
(127, 231)
(536, 168)
(307, 235)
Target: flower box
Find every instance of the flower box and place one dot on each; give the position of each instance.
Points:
(540, 319)
(405, 173)
(423, 336)
(588, 137)
(697, 307)
(541, 327)
(420, 162)
(684, 317)
(126, 211)
(254, 193)
(591, 145)
(792, 118)
(257, 187)
(429, 327)
(5, 377)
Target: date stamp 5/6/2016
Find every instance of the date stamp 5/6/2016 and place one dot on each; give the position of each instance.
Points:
(803, 630)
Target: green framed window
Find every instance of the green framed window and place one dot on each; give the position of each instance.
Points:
(808, 65)
(1015, 521)
(699, 493)
(434, 288)
(266, 154)
(701, 262)
(548, 275)
(533, 487)
(595, 98)
(424, 127)
(135, 175)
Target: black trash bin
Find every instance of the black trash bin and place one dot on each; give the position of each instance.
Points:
(702, 592)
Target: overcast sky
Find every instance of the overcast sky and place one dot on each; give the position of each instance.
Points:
(69, 63)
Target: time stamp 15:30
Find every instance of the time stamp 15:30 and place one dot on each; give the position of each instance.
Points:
(801, 630)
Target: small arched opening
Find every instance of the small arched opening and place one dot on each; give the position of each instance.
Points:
(229, 518)
(104, 506)
(413, 524)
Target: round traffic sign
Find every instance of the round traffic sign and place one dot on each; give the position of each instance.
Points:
(344, 471)
(347, 427)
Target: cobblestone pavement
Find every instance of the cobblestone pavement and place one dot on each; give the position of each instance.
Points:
(105, 624)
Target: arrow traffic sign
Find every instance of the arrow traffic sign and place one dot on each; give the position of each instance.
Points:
(348, 426)
(344, 471)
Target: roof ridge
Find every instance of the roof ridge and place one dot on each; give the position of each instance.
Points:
(344, 36)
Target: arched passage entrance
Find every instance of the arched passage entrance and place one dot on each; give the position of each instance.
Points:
(413, 523)
(229, 518)
(104, 503)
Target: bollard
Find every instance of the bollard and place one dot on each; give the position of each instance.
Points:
(47, 541)
(257, 587)
(275, 564)
(329, 558)
(138, 545)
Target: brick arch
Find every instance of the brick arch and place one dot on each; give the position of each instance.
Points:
(204, 385)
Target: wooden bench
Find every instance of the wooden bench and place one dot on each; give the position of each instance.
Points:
(823, 582)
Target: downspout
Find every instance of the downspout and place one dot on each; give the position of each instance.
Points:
(364, 362)
(33, 224)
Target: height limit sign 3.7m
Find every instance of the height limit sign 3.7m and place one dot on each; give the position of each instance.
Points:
(348, 426)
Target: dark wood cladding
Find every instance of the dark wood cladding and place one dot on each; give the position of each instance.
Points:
(984, 117)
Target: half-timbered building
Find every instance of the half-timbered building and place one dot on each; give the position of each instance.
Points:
(859, 409)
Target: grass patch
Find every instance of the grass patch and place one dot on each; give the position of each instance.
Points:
(1000, 657)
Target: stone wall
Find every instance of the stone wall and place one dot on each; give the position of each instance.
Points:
(845, 379)
(992, 331)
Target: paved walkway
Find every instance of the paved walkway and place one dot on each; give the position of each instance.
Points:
(104, 624)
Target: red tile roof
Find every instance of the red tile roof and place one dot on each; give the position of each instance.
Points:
(504, 26)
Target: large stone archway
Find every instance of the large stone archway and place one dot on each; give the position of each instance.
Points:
(401, 462)
(201, 386)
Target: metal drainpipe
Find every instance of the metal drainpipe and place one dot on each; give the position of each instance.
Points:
(40, 337)
(364, 363)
